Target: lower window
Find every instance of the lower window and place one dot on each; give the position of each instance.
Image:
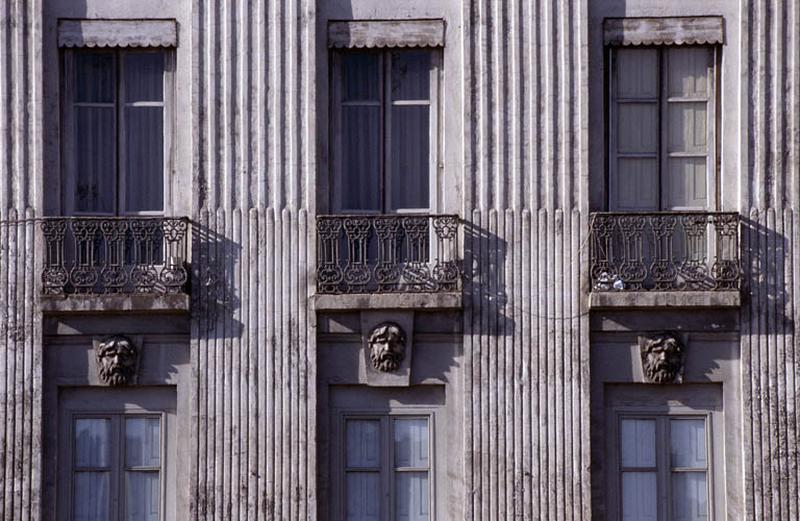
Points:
(387, 467)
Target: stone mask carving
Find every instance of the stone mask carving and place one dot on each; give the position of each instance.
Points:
(117, 360)
(662, 358)
(387, 346)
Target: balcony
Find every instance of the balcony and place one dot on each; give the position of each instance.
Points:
(128, 256)
(665, 258)
(388, 254)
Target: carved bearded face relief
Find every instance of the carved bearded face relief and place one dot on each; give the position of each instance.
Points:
(387, 347)
(117, 360)
(662, 358)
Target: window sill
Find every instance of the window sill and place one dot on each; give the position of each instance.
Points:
(442, 300)
(176, 303)
(664, 299)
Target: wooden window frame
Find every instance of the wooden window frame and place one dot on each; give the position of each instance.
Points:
(119, 104)
(338, 168)
(663, 413)
(662, 155)
(387, 468)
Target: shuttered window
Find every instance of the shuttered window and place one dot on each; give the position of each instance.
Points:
(115, 132)
(662, 114)
(385, 130)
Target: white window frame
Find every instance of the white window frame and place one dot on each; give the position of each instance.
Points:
(664, 411)
(339, 182)
(68, 129)
(387, 469)
(663, 154)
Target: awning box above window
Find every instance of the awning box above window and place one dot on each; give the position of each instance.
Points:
(664, 31)
(117, 33)
(386, 33)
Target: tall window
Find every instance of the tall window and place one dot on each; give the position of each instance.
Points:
(386, 468)
(384, 123)
(117, 468)
(114, 131)
(662, 113)
(664, 468)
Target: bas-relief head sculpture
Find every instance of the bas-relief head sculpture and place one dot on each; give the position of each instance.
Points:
(662, 358)
(387, 346)
(117, 360)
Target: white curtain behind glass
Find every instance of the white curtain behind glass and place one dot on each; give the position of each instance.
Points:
(142, 461)
(92, 469)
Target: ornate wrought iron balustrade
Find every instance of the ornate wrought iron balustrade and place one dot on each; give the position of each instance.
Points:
(387, 254)
(115, 255)
(665, 251)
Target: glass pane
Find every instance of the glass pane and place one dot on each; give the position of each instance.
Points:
(410, 171)
(637, 128)
(142, 442)
(411, 443)
(361, 158)
(95, 155)
(94, 77)
(637, 185)
(144, 158)
(142, 496)
(363, 496)
(144, 76)
(361, 76)
(411, 75)
(363, 443)
(91, 496)
(637, 73)
(688, 443)
(411, 496)
(689, 496)
(687, 183)
(688, 71)
(638, 443)
(688, 130)
(639, 499)
(92, 442)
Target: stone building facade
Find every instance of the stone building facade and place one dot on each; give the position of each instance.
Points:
(358, 259)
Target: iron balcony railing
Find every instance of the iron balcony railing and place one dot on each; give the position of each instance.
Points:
(398, 253)
(115, 255)
(665, 251)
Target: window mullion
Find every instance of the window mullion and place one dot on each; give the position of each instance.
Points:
(663, 131)
(388, 468)
(117, 472)
(386, 141)
(119, 178)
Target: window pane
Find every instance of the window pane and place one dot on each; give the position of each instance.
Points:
(688, 443)
(688, 70)
(91, 496)
(92, 442)
(686, 184)
(144, 154)
(411, 496)
(639, 499)
(411, 75)
(689, 496)
(411, 443)
(361, 76)
(361, 158)
(688, 130)
(144, 76)
(142, 496)
(410, 157)
(638, 443)
(637, 128)
(637, 185)
(94, 77)
(95, 167)
(142, 442)
(637, 73)
(363, 443)
(363, 496)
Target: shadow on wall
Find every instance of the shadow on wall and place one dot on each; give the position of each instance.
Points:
(765, 259)
(485, 282)
(215, 301)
